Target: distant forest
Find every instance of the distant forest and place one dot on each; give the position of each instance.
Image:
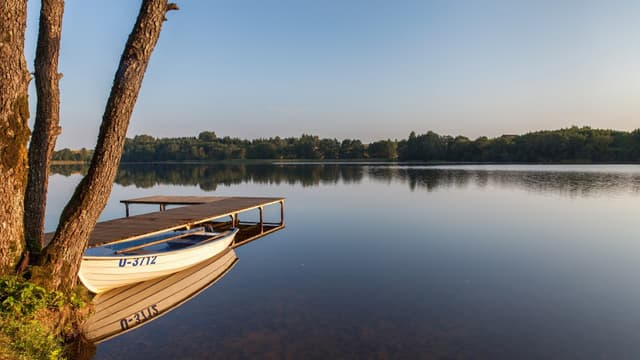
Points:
(565, 145)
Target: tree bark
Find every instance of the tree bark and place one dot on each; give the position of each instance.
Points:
(46, 127)
(61, 258)
(14, 130)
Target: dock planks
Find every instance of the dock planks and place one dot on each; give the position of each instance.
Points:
(206, 208)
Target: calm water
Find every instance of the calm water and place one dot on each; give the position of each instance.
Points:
(407, 262)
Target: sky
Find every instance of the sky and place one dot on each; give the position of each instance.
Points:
(365, 69)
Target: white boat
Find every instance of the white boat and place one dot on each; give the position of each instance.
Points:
(123, 309)
(111, 266)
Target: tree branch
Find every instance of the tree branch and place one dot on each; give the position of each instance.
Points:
(46, 127)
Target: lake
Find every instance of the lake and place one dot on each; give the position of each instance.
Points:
(405, 261)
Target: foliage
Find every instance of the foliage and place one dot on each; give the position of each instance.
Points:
(384, 149)
(564, 145)
(73, 155)
(208, 147)
(24, 298)
(29, 319)
(30, 340)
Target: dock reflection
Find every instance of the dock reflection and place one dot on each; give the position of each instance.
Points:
(124, 309)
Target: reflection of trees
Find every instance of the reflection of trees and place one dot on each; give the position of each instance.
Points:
(430, 179)
(205, 176)
(568, 183)
(209, 176)
(70, 169)
(571, 183)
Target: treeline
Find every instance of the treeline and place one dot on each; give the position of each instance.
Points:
(207, 146)
(72, 155)
(565, 145)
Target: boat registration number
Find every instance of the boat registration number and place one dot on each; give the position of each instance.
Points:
(140, 261)
(139, 317)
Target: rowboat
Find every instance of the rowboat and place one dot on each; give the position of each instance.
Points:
(115, 265)
(120, 310)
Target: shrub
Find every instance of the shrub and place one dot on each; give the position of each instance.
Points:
(29, 319)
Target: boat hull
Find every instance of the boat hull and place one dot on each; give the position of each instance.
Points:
(101, 273)
(127, 308)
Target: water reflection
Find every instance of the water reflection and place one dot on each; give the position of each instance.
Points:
(397, 261)
(570, 183)
(123, 309)
(565, 180)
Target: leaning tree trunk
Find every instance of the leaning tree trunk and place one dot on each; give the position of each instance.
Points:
(46, 128)
(14, 130)
(61, 258)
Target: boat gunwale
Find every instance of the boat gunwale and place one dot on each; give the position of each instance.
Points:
(112, 257)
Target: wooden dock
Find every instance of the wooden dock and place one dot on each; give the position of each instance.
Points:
(221, 212)
(163, 201)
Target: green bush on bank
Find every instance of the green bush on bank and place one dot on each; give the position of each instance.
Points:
(29, 340)
(33, 320)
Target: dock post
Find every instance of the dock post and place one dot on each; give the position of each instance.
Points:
(126, 209)
(281, 213)
(261, 219)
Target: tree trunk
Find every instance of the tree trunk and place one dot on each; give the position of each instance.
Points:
(61, 258)
(14, 130)
(46, 128)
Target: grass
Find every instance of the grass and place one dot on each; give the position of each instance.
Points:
(34, 322)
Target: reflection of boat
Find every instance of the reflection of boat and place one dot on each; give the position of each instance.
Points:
(110, 266)
(123, 309)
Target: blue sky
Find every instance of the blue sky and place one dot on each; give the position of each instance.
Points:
(367, 69)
